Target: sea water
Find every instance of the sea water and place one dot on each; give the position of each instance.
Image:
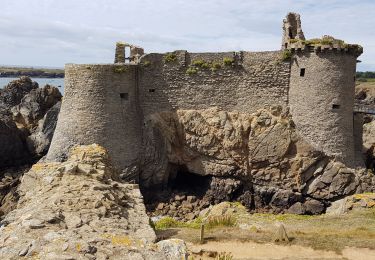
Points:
(57, 82)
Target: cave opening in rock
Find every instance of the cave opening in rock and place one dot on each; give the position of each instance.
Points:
(182, 180)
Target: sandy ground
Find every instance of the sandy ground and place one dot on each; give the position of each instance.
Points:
(251, 250)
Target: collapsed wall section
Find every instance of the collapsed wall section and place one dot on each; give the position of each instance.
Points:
(244, 81)
(321, 101)
(99, 106)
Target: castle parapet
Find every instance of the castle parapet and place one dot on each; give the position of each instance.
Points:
(325, 44)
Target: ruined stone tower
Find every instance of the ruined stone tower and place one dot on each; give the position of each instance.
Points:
(111, 104)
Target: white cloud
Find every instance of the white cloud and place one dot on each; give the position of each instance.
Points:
(54, 32)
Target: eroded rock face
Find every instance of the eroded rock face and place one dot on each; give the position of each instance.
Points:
(34, 106)
(12, 147)
(78, 210)
(39, 141)
(269, 166)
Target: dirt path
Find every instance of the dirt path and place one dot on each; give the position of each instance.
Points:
(251, 250)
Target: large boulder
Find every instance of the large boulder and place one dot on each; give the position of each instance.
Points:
(12, 148)
(78, 210)
(34, 106)
(39, 141)
(12, 94)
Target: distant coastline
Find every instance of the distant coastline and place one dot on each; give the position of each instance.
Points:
(11, 72)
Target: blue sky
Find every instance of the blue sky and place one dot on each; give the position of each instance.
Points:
(52, 33)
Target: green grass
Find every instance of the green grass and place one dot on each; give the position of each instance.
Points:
(169, 222)
(365, 80)
(324, 232)
(220, 221)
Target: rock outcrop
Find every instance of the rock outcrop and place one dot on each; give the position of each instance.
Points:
(257, 159)
(28, 116)
(39, 141)
(22, 107)
(13, 93)
(78, 210)
(34, 106)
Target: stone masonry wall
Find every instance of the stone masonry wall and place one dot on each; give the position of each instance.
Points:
(99, 106)
(321, 102)
(254, 81)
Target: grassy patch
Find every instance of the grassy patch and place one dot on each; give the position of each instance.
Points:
(220, 221)
(169, 222)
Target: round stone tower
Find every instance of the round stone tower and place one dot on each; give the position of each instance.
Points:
(321, 94)
(100, 105)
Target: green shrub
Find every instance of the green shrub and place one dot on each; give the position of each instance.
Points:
(286, 55)
(191, 71)
(170, 57)
(228, 61)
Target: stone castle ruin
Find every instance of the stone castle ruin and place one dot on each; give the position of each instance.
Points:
(281, 117)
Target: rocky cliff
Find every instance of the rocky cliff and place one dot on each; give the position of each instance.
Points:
(258, 159)
(28, 116)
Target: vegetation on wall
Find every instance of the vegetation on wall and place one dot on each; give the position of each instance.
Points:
(199, 64)
(191, 71)
(326, 40)
(119, 69)
(228, 61)
(286, 55)
(170, 57)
